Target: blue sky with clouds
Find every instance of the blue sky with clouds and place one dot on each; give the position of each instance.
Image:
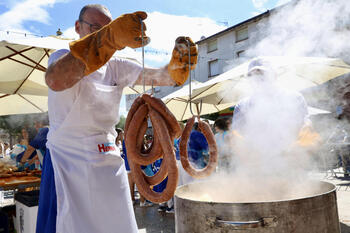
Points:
(43, 17)
(166, 19)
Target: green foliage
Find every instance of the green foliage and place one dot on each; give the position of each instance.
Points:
(121, 123)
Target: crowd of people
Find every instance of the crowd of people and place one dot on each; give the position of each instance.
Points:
(29, 148)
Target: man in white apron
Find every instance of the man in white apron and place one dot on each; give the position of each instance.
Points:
(84, 184)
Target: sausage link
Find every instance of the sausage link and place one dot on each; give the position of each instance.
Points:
(213, 150)
(183, 146)
(135, 105)
(169, 117)
(167, 146)
(131, 139)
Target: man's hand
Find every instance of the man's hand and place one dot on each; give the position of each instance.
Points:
(126, 30)
(95, 49)
(178, 67)
(307, 137)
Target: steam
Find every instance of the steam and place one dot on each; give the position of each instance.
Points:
(267, 156)
(306, 28)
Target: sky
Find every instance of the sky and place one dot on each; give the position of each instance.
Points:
(165, 22)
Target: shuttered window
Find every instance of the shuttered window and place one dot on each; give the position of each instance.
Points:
(242, 34)
(213, 68)
(212, 46)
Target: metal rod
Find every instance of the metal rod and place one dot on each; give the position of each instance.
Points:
(199, 110)
(152, 93)
(143, 58)
(190, 77)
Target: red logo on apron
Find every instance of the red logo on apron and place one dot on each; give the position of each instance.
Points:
(106, 147)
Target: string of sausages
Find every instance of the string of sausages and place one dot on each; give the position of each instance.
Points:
(165, 129)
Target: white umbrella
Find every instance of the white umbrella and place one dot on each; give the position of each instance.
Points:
(23, 63)
(317, 111)
(178, 103)
(295, 73)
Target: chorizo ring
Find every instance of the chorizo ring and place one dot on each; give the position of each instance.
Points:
(208, 134)
(167, 147)
(131, 139)
(162, 172)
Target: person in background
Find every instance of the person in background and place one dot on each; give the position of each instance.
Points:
(2, 150)
(21, 147)
(38, 145)
(343, 115)
(269, 126)
(120, 142)
(7, 150)
(222, 140)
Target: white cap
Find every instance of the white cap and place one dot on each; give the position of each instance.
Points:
(259, 64)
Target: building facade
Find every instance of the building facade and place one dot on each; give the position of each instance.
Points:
(219, 52)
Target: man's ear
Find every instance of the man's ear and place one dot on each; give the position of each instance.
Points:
(77, 27)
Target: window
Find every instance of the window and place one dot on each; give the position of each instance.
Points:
(242, 34)
(213, 68)
(212, 46)
(240, 53)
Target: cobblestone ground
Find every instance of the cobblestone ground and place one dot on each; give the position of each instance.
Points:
(149, 220)
(343, 196)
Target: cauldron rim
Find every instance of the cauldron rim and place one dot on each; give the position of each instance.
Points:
(332, 188)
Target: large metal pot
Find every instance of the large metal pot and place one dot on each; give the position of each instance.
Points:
(313, 213)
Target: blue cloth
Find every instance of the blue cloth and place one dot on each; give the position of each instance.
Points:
(47, 211)
(39, 142)
(125, 157)
(177, 148)
(162, 185)
(197, 148)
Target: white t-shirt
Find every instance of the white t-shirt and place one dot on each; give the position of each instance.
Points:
(116, 72)
(271, 120)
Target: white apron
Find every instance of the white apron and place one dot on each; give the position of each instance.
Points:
(91, 182)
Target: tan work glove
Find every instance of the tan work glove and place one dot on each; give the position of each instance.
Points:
(95, 49)
(178, 66)
(307, 137)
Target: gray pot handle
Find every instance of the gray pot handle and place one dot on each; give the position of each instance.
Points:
(241, 225)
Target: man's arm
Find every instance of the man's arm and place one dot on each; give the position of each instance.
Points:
(177, 71)
(160, 77)
(36, 157)
(64, 72)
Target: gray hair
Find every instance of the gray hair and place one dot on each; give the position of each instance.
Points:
(98, 7)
